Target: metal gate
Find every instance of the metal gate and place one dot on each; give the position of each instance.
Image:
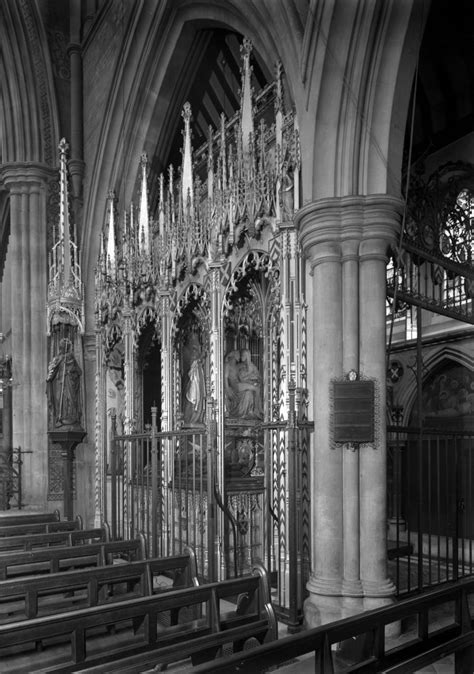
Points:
(164, 485)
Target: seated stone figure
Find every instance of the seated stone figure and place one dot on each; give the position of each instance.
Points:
(242, 384)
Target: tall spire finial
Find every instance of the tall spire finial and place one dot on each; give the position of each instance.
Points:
(111, 255)
(143, 222)
(246, 113)
(187, 166)
(65, 284)
(64, 232)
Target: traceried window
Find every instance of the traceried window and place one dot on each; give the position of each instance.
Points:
(457, 243)
(456, 240)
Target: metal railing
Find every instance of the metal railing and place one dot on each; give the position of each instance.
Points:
(11, 463)
(162, 485)
(430, 506)
(363, 644)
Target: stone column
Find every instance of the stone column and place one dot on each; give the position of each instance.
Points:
(351, 585)
(381, 223)
(17, 321)
(76, 162)
(320, 243)
(346, 241)
(27, 256)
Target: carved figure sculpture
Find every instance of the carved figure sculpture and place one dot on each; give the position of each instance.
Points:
(195, 394)
(64, 387)
(287, 193)
(194, 384)
(230, 382)
(242, 382)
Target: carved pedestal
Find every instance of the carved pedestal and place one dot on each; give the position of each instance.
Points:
(67, 439)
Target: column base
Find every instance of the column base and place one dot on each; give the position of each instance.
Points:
(352, 588)
(320, 609)
(374, 589)
(353, 597)
(392, 630)
(324, 586)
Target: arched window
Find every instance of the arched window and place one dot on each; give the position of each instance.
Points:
(456, 243)
(456, 237)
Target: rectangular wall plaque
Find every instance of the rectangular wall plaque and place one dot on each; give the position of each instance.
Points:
(354, 411)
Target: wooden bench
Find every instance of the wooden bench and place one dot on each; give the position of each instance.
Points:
(134, 635)
(28, 518)
(59, 559)
(27, 598)
(72, 538)
(41, 527)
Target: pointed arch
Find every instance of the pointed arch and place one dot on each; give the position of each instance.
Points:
(146, 94)
(28, 108)
(354, 118)
(433, 363)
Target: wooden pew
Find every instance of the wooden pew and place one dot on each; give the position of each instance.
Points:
(41, 527)
(27, 598)
(28, 518)
(79, 536)
(59, 559)
(131, 636)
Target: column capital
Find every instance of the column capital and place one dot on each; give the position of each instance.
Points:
(74, 48)
(338, 219)
(26, 174)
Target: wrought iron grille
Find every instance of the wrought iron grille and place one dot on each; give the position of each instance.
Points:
(430, 507)
(432, 267)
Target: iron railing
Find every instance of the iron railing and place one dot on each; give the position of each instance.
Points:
(164, 485)
(362, 643)
(430, 506)
(11, 463)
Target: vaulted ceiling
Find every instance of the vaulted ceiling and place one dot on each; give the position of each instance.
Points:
(445, 86)
(216, 85)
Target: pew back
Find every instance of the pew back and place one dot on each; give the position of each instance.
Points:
(137, 633)
(55, 559)
(27, 598)
(41, 527)
(56, 538)
(10, 520)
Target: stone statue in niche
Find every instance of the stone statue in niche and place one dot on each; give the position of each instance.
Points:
(287, 193)
(242, 386)
(64, 387)
(194, 384)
